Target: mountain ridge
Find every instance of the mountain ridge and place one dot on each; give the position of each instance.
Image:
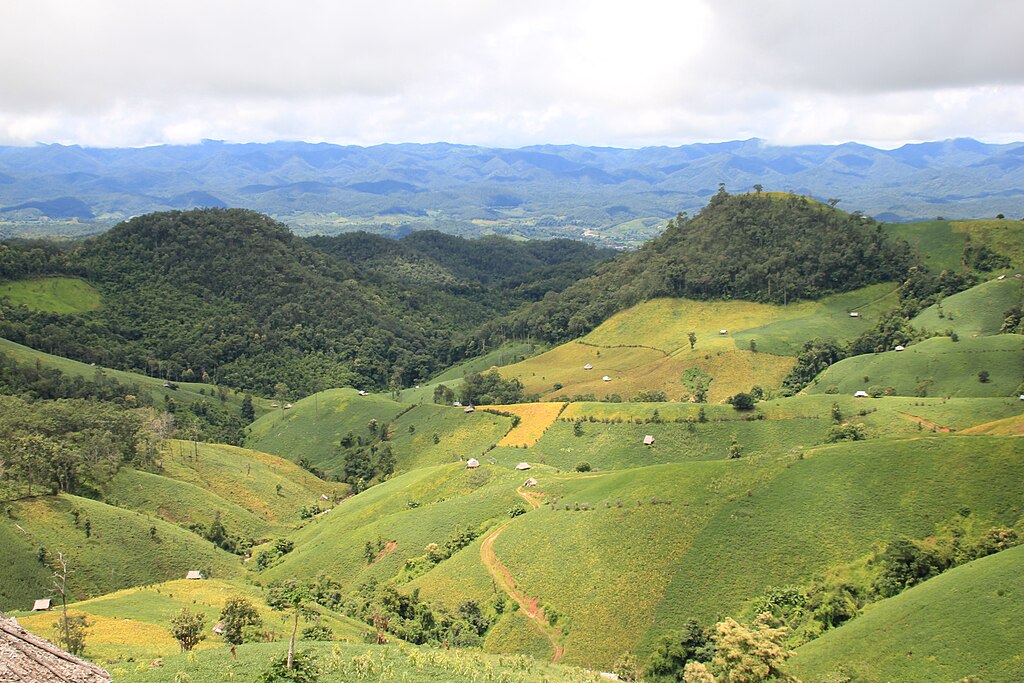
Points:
(535, 191)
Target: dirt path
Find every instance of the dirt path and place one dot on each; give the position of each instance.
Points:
(927, 423)
(503, 578)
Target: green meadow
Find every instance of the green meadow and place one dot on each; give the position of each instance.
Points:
(976, 312)
(935, 367)
(123, 548)
(61, 295)
(959, 624)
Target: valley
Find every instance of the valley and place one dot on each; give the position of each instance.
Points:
(485, 461)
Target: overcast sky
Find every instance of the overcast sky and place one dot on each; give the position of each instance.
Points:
(508, 73)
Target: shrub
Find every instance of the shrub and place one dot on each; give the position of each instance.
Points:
(583, 467)
(516, 510)
(741, 401)
(304, 669)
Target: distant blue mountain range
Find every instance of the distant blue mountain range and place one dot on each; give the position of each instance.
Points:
(544, 190)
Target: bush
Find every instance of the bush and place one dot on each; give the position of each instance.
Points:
(516, 510)
(317, 632)
(304, 669)
(741, 401)
(583, 467)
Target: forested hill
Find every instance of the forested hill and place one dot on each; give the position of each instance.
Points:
(233, 297)
(765, 247)
(504, 272)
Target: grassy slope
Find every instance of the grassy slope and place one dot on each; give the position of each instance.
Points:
(955, 625)
(946, 368)
(52, 294)
(315, 425)
(241, 484)
(349, 662)
(460, 435)
(186, 391)
(975, 312)
(448, 497)
(864, 494)
(134, 623)
(646, 347)
(120, 552)
(620, 577)
(941, 243)
(512, 352)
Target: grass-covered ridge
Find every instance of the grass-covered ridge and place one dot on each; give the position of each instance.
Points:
(52, 294)
(134, 623)
(108, 547)
(935, 367)
(950, 627)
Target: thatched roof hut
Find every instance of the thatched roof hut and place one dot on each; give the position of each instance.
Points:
(27, 658)
(530, 482)
(649, 440)
(606, 378)
(588, 366)
(523, 466)
(194, 574)
(41, 605)
(861, 394)
(472, 464)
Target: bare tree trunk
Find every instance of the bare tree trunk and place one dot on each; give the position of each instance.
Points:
(291, 643)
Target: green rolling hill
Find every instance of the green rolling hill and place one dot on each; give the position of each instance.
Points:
(956, 625)
(934, 367)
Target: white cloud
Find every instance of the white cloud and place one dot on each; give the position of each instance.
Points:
(120, 72)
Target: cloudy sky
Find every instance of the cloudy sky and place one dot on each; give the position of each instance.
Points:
(510, 72)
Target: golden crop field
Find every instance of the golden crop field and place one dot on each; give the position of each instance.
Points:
(534, 420)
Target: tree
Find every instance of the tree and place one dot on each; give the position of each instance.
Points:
(735, 449)
(248, 412)
(70, 631)
(758, 187)
(294, 596)
(281, 392)
(187, 628)
(300, 667)
(238, 613)
(674, 651)
(741, 401)
(837, 413)
(750, 654)
(583, 467)
(983, 376)
(692, 336)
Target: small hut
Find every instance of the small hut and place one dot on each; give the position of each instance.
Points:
(323, 496)
(41, 605)
(457, 404)
(218, 628)
(469, 409)
(723, 332)
(194, 575)
(899, 347)
(588, 366)
(606, 378)
(860, 394)
(27, 657)
(362, 392)
(530, 482)
(472, 464)
(648, 440)
(854, 314)
(273, 405)
(523, 466)
(287, 406)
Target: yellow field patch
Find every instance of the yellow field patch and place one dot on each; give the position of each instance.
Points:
(665, 323)
(632, 370)
(534, 420)
(1010, 426)
(107, 637)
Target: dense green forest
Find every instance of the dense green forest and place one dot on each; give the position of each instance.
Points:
(234, 297)
(757, 247)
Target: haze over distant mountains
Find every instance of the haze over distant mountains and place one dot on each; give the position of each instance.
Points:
(618, 195)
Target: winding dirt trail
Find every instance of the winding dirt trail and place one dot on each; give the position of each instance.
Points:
(926, 423)
(503, 578)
